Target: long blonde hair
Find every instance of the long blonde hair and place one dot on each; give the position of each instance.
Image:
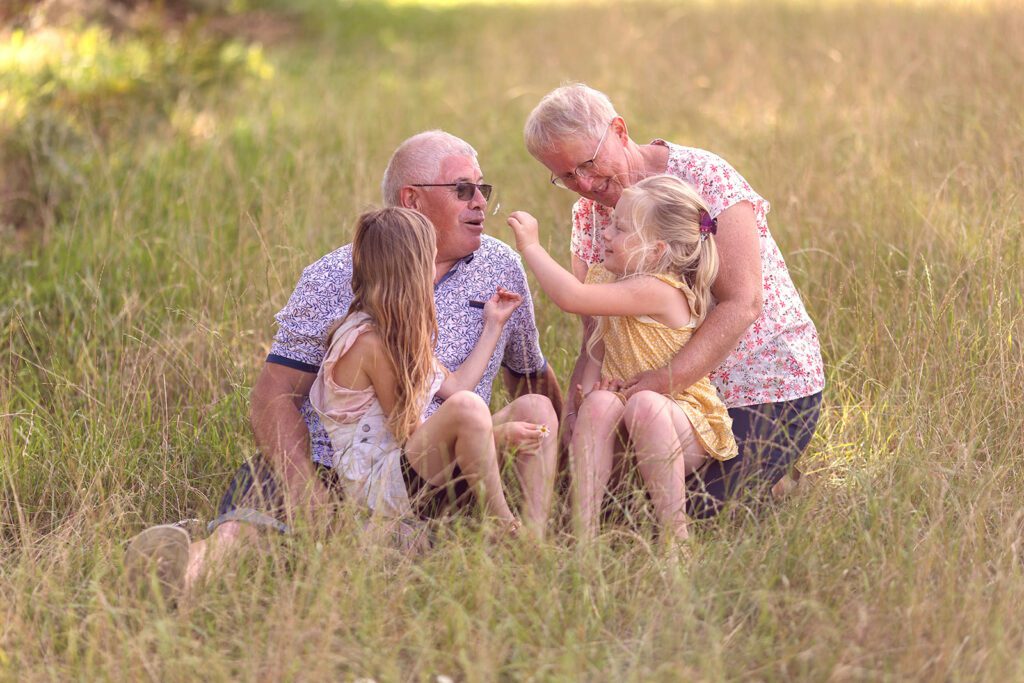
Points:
(666, 210)
(392, 282)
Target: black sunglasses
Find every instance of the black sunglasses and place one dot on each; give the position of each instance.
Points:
(464, 190)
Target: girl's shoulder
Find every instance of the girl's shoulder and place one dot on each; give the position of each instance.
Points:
(598, 275)
(681, 287)
(670, 280)
(356, 332)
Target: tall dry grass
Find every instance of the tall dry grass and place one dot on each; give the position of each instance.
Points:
(889, 140)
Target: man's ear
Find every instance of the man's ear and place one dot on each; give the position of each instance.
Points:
(408, 198)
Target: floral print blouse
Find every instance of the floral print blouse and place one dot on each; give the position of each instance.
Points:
(778, 358)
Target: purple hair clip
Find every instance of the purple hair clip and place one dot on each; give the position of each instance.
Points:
(708, 225)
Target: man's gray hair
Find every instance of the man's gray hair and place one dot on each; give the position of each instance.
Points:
(418, 160)
(571, 111)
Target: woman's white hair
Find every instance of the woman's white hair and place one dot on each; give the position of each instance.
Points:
(570, 111)
(418, 160)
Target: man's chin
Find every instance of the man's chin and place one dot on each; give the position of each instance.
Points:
(473, 229)
(472, 243)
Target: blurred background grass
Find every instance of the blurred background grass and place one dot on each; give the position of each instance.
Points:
(168, 169)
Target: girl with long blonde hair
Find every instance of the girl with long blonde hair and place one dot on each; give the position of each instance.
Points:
(651, 293)
(380, 374)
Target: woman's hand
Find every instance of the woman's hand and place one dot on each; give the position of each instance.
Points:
(526, 229)
(525, 436)
(657, 380)
(500, 307)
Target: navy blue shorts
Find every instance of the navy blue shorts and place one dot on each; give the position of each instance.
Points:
(771, 437)
(254, 496)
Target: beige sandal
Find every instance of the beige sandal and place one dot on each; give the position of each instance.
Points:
(162, 550)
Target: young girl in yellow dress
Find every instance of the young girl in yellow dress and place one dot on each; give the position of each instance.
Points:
(651, 293)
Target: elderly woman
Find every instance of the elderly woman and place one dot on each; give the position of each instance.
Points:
(758, 343)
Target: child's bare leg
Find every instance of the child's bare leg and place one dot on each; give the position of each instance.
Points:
(461, 427)
(536, 466)
(667, 450)
(592, 453)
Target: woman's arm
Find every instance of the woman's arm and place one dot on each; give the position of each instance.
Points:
(738, 292)
(497, 311)
(632, 296)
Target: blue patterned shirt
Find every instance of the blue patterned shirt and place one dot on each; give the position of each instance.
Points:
(324, 293)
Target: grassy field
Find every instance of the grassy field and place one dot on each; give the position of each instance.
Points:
(890, 141)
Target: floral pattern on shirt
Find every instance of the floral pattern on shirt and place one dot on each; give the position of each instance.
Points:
(324, 292)
(778, 358)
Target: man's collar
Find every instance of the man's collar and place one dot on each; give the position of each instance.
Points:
(455, 266)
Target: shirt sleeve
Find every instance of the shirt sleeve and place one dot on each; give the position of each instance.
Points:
(722, 186)
(585, 243)
(523, 354)
(321, 297)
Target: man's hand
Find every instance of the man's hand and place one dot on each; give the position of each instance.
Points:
(659, 381)
(524, 436)
(525, 228)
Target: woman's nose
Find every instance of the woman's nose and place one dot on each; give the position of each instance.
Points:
(584, 182)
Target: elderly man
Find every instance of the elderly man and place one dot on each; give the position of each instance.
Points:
(438, 175)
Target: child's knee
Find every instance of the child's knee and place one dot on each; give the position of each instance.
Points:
(644, 406)
(469, 410)
(600, 403)
(534, 408)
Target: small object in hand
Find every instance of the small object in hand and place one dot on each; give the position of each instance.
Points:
(473, 303)
(544, 431)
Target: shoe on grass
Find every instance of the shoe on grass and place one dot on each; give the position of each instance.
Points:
(160, 553)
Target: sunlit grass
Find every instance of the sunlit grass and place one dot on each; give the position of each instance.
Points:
(889, 140)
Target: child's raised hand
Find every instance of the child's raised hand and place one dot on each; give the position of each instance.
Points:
(525, 228)
(500, 307)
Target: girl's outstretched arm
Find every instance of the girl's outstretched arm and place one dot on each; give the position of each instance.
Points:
(641, 295)
(497, 311)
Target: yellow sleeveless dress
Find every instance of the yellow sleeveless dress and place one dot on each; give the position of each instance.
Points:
(635, 344)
